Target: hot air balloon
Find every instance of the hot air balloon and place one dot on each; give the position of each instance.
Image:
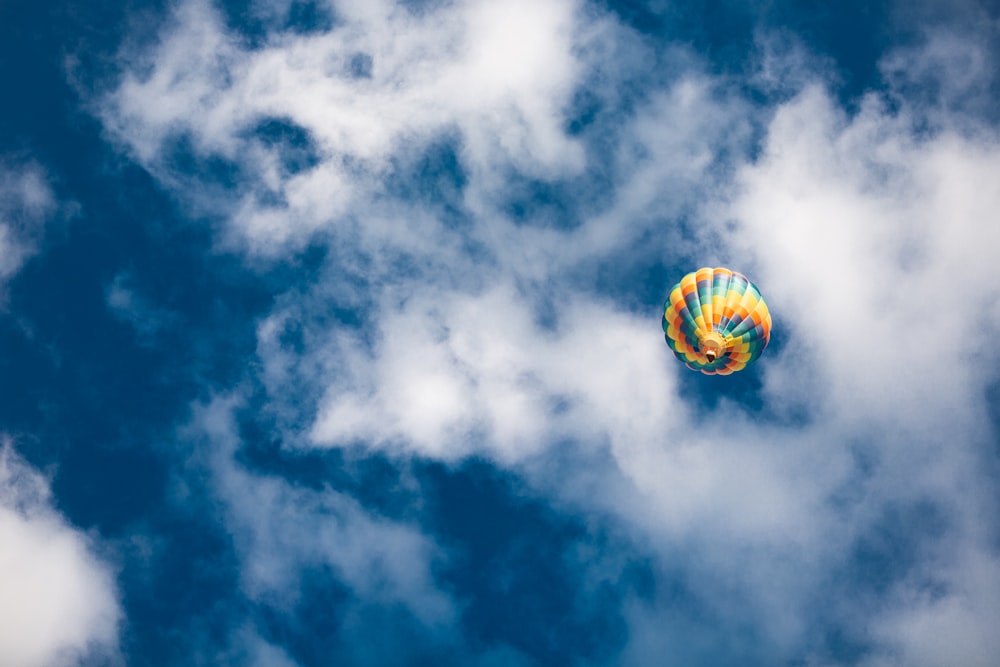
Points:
(716, 321)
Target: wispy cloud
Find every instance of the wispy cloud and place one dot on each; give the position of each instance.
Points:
(280, 530)
(146, 318)
(26, 201)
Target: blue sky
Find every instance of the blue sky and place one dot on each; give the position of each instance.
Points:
(330, 333)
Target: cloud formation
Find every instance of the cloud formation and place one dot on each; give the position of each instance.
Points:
(280, 530)
(59, 603)
(863, 226)
(383, 78)
(842, 514)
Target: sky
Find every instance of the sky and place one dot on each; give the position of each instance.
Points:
(330, 333)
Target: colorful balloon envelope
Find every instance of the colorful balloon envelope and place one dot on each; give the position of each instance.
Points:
(716, 321)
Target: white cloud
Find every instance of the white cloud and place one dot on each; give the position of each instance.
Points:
(500, 74)
(949, 63)
(925, 627)
(251, 649)
(280, 530)
(26, 200)
(59, 602)
(452, 374)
